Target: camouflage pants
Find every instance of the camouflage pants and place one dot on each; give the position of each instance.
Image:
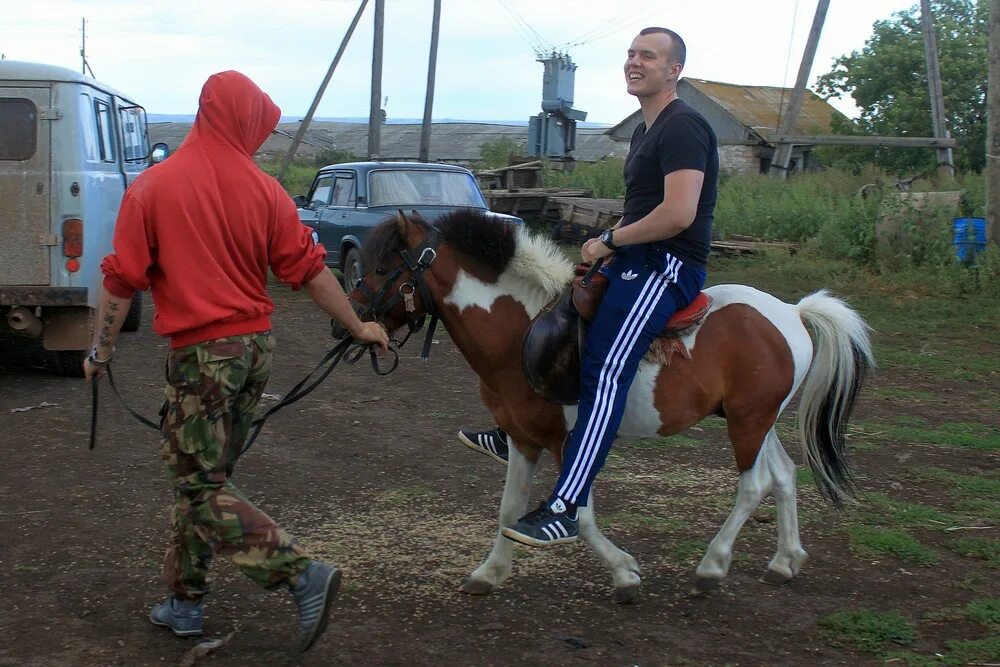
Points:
(212, 391)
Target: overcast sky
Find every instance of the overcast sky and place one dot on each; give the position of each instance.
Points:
(161, 51)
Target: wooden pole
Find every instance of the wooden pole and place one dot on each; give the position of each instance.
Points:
(425, 130)
(304, 125)
(945, 161)
(783, 152)
(993, 130)
(375, 113)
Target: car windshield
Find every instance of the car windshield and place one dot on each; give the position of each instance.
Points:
(422, 187)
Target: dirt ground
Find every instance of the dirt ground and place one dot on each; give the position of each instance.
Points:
(367, 472)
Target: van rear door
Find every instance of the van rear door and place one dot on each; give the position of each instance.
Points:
(25, 228)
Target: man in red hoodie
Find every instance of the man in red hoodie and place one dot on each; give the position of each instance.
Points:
(200, 231)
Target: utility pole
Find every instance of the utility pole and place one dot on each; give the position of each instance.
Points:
(375, 113)
(84, 65)
(992, 171)
(304, 125)
(945, 163)
(783, 152)
(425, 131)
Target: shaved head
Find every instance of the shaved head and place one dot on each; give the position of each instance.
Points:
(678, 50)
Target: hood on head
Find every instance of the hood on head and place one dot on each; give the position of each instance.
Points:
(232, 108)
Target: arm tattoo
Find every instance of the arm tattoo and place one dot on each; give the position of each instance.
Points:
(112, 307)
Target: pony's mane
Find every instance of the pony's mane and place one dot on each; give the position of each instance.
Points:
(496, 245)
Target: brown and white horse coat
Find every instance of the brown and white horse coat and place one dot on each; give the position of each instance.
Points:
(745, 362)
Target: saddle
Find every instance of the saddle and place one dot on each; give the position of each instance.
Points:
(587, 298)
(552, 347)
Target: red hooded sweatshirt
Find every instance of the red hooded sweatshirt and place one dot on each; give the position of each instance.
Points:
(201, 229)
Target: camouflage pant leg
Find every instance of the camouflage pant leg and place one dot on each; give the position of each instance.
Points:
(212, 391)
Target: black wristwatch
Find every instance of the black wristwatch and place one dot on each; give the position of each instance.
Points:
(607, 238)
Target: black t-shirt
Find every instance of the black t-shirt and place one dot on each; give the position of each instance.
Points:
(680, 138)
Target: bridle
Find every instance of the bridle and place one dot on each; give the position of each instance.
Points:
(381, 302)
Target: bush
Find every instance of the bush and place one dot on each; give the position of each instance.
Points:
(605, 178)
(498, 153)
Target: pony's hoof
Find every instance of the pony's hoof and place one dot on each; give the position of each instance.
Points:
(704, 586)
(625, 594)
(775, 578)
(475, 587)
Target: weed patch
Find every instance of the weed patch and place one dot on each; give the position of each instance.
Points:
(985, 611)
(982, 548)
(867, 630)
(874, 541)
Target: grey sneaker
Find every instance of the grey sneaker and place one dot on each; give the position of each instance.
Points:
(493, 443)
(314, 594)
(183, 617)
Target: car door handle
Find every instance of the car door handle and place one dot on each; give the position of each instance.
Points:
(343, 215)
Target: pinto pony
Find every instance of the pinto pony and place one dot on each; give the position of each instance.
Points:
(486, 281)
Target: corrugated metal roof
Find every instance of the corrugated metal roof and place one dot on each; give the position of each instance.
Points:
(757, 107)
(450, 142)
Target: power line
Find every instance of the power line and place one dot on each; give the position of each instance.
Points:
(531, 36)
(788, 59)
(606, 28)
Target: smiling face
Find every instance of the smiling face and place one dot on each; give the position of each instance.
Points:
(651, 68)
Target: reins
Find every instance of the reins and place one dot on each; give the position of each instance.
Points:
(416, 263)
(340, 351)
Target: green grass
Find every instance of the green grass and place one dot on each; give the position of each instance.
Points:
(688, 550)
(904, 394)
(867, 630)
(874, 541)
(882, 510)
(975, 651)
(977, 486)
(980, 548)
(970, 435)
(805, 477)
(985, 611)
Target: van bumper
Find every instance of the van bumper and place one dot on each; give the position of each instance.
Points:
(32, 295)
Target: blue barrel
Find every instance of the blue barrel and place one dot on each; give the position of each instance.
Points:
(970, 238)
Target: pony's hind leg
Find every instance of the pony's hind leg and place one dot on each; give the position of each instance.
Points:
(790, 556)
(496, 568)
(624, 568)
(754, 484)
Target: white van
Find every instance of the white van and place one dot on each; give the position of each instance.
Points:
(69, 146)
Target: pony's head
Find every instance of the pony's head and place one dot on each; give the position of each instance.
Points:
(407, 259)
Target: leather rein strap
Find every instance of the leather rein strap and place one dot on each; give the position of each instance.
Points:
(343, 350)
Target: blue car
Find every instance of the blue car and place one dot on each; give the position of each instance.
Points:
(346, 200)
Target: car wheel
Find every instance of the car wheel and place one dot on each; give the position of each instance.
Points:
(68, 363)
(134, 317)
(353, 271)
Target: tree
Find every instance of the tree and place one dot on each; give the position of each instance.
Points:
(888, 81)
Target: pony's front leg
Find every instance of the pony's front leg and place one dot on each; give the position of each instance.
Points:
(495, 570)
(624, 568)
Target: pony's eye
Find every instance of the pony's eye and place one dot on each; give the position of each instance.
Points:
(380, 271)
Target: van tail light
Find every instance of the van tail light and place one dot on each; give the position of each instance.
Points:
(72, 237)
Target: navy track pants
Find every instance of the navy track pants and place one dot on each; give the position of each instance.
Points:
(646, 286)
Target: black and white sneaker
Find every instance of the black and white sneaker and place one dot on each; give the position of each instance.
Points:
(493, 443)
(543, 527)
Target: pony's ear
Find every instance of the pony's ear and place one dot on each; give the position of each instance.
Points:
(407, 230)
(415, 215)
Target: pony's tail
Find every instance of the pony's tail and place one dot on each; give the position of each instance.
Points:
(842, 359)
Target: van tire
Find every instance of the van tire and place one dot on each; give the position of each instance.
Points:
(68, 363)
(354, 272)
(134, 317)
